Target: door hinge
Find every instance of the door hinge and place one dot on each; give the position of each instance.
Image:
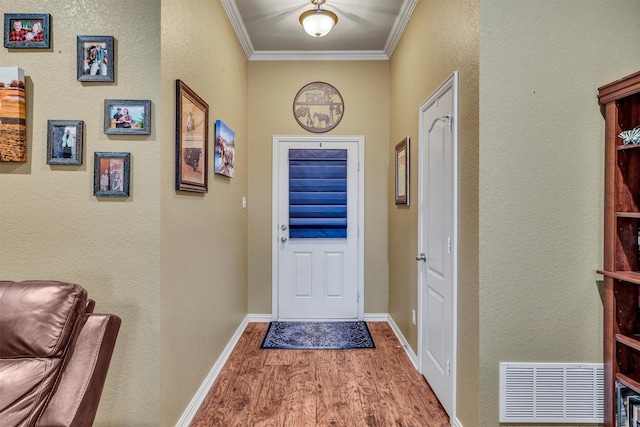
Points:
(358, 296)
(448, 367)
(449, 245)
(450, 118)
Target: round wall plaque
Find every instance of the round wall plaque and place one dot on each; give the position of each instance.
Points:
(318, 107)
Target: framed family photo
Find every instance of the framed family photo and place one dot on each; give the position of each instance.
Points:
(127, 116)
(27, 30)
(402, 172)
(192, 140)
(95, 58)
(111, 174)
(64, 142)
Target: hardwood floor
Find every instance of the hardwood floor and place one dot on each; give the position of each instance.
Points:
(290, 388)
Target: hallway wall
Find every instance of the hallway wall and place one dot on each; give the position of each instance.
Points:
(51, 225)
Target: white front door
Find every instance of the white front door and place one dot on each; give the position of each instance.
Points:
(437, 240)
(316, 218)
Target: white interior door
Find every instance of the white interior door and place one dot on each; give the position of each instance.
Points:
(316, 239)
(437, 240)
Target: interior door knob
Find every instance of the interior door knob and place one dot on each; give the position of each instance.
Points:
(421, 257)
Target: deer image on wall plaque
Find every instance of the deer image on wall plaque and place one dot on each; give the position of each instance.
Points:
(318, 107)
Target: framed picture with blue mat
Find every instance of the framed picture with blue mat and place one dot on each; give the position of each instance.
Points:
(318, 336)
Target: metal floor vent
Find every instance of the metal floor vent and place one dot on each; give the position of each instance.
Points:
(551, 392)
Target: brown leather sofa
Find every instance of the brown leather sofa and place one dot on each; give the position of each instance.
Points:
(54, 354)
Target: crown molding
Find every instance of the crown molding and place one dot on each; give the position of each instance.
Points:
(238, 26)
(399, 25)
(319, 55)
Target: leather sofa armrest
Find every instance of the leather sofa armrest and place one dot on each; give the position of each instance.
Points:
(77, 395)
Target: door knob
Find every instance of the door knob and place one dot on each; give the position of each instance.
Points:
(421, 257)
(283, 239)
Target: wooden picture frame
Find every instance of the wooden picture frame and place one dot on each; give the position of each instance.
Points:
(27, 30)
(95, 58)
(127, 117)
(192, 140)
(402, 172)
(64, 142)
(111, 175)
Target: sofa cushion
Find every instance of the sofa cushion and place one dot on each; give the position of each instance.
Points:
(37, 318)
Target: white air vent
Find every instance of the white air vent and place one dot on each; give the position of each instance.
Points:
(551, 393)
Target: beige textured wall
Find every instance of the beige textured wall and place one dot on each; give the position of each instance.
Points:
(541, 185)
(365, 90)
(441, 37)
(204, 236)
(51, 225)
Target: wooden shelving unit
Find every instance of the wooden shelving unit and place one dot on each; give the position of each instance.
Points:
(621, 268)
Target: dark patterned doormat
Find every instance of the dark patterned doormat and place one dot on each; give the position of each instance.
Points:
(317, 336)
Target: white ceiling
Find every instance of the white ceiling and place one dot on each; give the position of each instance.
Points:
(366, 29)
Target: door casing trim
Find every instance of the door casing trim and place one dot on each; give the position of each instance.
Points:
(275, 252)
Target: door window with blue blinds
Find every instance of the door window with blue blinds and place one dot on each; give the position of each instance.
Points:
(317, 194)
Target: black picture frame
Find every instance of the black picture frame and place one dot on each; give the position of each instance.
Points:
(192, 140)
(111, 174)
(65, 139)
(30, 39)
(95, 58)
(402, 162)
(139, 121)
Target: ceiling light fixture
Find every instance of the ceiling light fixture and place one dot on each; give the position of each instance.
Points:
(318, 22)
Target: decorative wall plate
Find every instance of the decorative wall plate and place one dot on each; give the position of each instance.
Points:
(318, 107)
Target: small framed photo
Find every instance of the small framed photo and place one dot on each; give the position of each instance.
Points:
(192, 140)
(225, 150)
(127, 116)
(95, 58)
(402, 172)
(64, 142)
(27, 30)
(111, 174)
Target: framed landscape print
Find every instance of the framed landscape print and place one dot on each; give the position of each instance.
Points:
(111, 174)
(13, 123)
(402, 172)
(95, 58)
(64, 142)
(192, 140)
(225, 150)
(27, 30)
(126, 116)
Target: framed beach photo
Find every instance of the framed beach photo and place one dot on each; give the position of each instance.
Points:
(402, 172)
(225, 150)
(64, 142)
(192, 140)
(95, 59)
(127, 117)
(111, 174)
(27, 30)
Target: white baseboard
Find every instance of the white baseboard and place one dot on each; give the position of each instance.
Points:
(456, 423)
(376, 317)
(403, 342)
(259, 318)
(202, 392)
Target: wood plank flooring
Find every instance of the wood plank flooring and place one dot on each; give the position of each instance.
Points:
(307, 388)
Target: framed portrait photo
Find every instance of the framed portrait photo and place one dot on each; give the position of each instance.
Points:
(192, 140)
(27, 30)
(127, 116)
(95, 58)
(402, 172)
(111, 174)
(64, 142)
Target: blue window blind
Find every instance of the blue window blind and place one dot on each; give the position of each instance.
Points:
(317, 194)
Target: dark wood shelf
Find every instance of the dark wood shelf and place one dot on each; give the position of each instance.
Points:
(631, 381)
(632, 341)
(633, 215)
(627, 147)
(627, 276)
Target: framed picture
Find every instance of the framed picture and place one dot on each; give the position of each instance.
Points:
(127, 116)
(224, 151)
(27, 30)
(192, 140)
(13, 125)
(111, 174)
(402, 172)
(64, 142)
(95, 58)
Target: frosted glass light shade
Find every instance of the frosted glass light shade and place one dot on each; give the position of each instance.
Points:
(318, 22)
